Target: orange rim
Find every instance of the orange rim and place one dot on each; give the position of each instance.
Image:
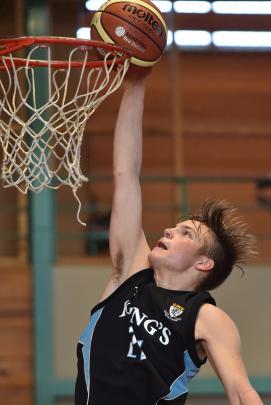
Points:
(10, 45)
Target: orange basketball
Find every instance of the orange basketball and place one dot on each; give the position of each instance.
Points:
(137, 25)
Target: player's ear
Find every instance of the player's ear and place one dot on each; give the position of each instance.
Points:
(204, 264)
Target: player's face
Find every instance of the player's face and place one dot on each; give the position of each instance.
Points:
(180, 246)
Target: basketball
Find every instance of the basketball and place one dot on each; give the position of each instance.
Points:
(137, 25)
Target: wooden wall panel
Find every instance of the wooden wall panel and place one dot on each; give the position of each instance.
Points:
(213, 22)
(7, 26)
(226, 89)
(226, 112)
(16, 338)
(17, 395)
(227, 155)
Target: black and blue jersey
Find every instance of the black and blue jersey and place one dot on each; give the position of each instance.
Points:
(139, 347)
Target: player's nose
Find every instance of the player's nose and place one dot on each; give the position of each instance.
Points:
(168, 233)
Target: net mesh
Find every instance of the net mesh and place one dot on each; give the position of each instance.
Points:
(41, 139)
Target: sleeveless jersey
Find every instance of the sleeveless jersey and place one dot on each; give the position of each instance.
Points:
(139, 347)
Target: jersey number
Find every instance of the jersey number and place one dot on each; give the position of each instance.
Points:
(135, 348)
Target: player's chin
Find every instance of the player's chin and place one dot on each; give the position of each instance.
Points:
(155, 254)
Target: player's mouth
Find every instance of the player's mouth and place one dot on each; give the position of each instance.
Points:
(161, 245)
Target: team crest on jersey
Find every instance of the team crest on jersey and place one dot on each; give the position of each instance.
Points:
(175, 312)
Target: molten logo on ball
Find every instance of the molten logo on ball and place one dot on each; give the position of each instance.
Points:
(146, 16)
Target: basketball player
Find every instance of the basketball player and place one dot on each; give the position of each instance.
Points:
(156, 324)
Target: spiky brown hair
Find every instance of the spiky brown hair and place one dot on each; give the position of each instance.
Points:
(229, 245)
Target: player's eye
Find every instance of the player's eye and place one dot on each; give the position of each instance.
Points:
(188, 234)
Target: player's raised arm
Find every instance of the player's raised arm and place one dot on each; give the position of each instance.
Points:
(128, 247)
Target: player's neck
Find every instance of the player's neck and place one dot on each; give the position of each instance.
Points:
(175, 281)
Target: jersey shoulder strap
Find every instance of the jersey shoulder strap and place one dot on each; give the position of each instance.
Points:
(136, 279)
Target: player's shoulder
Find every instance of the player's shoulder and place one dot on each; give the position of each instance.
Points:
(211, 313)
(208, 309)
(213, 320)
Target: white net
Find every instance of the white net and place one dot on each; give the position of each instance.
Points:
(41, 137)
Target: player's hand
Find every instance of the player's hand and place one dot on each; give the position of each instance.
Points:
(135, 75)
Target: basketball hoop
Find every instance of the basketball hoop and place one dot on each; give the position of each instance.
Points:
(42, 141)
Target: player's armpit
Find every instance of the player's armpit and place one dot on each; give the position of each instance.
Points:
(111, 286)
(222, 344)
